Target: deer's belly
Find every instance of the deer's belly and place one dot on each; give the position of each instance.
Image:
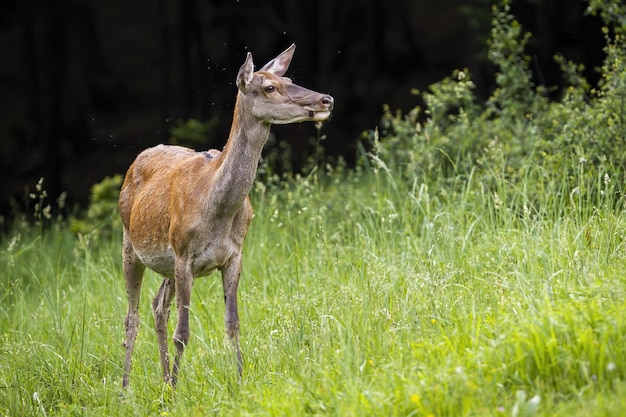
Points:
(203, 262)
(212, 257)
(161, 262)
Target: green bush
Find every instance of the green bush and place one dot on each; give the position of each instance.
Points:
(562, 147)
(193, 133)
(102, 219)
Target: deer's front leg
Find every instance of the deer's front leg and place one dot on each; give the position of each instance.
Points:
(183, 285)
(230, 280)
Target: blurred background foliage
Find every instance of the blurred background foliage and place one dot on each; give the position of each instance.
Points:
(520, 132)
(519, 135)
(87, 84)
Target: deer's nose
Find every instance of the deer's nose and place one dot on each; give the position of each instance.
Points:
(328, 102)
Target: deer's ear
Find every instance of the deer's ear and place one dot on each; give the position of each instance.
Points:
(278, 66)
(244, 77)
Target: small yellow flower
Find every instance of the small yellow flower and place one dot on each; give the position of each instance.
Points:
(415, 398)
(433, 321)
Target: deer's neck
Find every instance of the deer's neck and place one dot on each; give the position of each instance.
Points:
(240, 159)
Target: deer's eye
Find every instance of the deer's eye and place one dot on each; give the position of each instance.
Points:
(270, 89)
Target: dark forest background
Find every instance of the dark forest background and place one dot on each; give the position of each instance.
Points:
(85, 85)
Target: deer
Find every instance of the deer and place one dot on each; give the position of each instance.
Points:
(186, 213)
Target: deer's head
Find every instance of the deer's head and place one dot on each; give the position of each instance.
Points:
(275, 99)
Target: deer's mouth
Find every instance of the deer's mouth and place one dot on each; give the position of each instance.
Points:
(318, 116)
(307, 116)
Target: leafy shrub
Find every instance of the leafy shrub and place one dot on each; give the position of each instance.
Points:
(192, 132)
(573, 145)
(102, 219)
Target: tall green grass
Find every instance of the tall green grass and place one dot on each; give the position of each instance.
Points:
(361, 295)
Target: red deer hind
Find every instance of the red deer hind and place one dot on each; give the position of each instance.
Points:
(186, 213)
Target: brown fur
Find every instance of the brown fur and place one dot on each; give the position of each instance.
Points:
(187, 213)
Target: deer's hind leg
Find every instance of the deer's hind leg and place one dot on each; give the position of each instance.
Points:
(183, 285)
(133, 274)
(161, 310)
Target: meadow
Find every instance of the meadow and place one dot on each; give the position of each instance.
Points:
(360, 296)
(438, 277)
